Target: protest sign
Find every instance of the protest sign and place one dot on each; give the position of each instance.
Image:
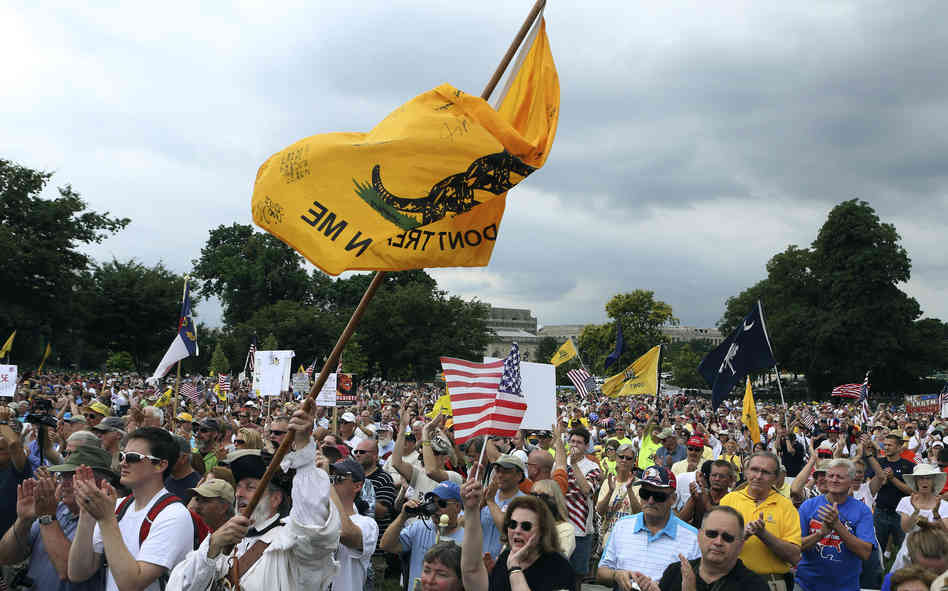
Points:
(300, 383)
(538, 384)
(327, 395)
(7, 380)
(346, 389)
(271, 372)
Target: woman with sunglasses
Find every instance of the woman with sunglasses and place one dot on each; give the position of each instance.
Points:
(248, 439)
(616, 496)
(532, 560)
(550, 493)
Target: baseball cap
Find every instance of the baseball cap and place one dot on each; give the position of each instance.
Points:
(656, 476)
(185, 416)
(440, 445)
(209, 423)
(449, 491)
(695, 441)
(667, 433)
(348, 467)
(111, 425)
(71, 418)
(347, 417)
(510, 461)
(96, 406)
(184, 446)
(215, 488)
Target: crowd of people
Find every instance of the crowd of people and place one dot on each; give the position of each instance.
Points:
(105, 484)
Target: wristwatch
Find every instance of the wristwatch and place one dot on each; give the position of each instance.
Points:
(45, 519)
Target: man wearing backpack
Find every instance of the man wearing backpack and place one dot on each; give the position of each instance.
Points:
(137, 558)
(292, 552)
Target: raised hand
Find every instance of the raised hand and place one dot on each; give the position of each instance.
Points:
(97, 502)
(26, 500)
(472, 492)
(45, 494)
(519, 557)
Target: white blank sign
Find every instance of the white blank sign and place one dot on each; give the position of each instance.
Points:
(538, 383)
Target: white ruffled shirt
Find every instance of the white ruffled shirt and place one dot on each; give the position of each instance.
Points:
(301, 551)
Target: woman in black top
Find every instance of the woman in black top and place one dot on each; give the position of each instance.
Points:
(531, 561)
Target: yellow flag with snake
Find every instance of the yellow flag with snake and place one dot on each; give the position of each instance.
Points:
(426, 187)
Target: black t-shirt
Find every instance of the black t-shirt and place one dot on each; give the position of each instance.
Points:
(740, 578)
(180, 487)
(550, 572)
(889, 495)
(793, 462)
(10, 477)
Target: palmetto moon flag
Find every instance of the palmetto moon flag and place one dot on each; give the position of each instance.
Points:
(639, 378)
(426, 187)
(746, 349)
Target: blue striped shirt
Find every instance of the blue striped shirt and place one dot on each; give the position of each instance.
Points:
(631, 546)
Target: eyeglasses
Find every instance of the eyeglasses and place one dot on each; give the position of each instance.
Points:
(132, 457)
(646, 494)
(626, 458)
(442, 503)
(91, 416)
(713, 533)
(525, 526)
(277, 433)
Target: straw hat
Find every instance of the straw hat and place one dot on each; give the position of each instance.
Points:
(927, 470)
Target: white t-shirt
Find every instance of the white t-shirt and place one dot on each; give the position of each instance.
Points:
(170, 539)
(420, 483)
(353, 564)
(864, 494)
(905, 507)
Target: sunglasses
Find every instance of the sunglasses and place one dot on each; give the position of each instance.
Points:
(713, 533)
(359, 452)
(91, 416)
(239, 442)
(132, 457)
(277, 433)
(697, 449)
(337, 478)
(626, 458)
(524, 525)
(646, 494)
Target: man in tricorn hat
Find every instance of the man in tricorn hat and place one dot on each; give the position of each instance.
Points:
(272, 552)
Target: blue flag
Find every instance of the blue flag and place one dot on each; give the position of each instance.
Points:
(620, 346)
(747, 349)
(184, 343)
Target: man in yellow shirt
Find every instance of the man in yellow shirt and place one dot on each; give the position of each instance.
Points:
(772, 532)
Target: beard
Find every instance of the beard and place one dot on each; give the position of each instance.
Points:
(261, 512)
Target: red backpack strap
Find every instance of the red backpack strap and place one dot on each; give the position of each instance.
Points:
(123, 507)
(159, 505)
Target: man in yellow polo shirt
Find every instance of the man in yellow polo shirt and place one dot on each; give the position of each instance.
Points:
(772, 528)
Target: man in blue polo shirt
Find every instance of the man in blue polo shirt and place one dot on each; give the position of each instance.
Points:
(641, 546)
(838, 534)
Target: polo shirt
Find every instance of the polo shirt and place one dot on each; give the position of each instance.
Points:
(631, 546)
(780, 519)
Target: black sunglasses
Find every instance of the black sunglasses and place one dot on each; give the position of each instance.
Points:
(646, 494)
(626, 458)
(524, 525)
(277, 433)
(697, 449)
(239, 441)
(713, 533)
(359, 452)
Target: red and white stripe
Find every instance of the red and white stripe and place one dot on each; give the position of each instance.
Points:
(847, 390)
(478, 408)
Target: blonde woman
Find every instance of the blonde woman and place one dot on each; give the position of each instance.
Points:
(616, 496)
(550, 493)
(248, 439)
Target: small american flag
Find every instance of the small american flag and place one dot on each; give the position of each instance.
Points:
(191, 391)
(224, 382)
(486, 398)
(847, 390)
(311, 368)
(585, 383)
(864, 400)
(808, 421)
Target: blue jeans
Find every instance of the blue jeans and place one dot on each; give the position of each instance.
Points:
(871, 576)
(888, 524)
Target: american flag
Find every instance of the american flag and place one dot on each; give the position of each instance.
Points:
(486, 398)
(808, 421)
(943, 398)
(847, 390)
(864, 400)
(223, 381)
(191, 391)
(584, 382)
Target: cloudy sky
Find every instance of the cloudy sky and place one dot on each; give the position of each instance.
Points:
(695, 141)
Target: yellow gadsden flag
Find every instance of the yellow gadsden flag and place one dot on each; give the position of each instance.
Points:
(49, 349)
(566, 352)
(165, 398)
(749, 416)
(426, 187)
(442, 406)
(639, 378)
(7, 346)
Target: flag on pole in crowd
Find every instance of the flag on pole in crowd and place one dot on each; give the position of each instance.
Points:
(847, 391)
(426, 187)
(639, 378)
(311, 368)
(49, 349)
(864, 400)
(249, 364)
(566, 352)
(808, 421)
(749, 415)
(745, 350)
(585, 384)
(5, 350)
(620, 346)
(442, 406)
(165, 398)
(486, 398)
(185, 342)
(223, 380)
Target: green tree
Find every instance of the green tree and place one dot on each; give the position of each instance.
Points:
(219, 363)
(139, 305)
(835, 310)
(249, 270)
(546, 348)
(641, 317)
(121, 362)
(269, 343)
(43, 242)
(682, 360)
